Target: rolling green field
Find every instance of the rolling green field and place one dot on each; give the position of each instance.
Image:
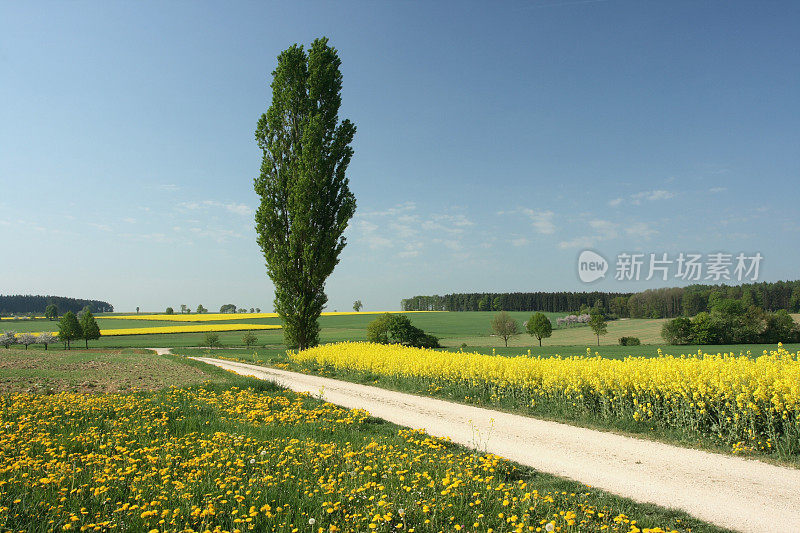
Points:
(453, 329)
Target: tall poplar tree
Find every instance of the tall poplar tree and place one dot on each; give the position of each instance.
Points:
(306, 201)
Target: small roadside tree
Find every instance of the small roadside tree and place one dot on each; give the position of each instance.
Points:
(249, 339)
(211, 339)
(46, 338)
(357, 305)
(26, 339)
(89, 329)
(51, 312)
(169, 311)
(598, 325)
(504, 326)
(8, 338)
(539, 326)
(69, 329)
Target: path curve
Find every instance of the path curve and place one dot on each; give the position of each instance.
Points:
(732, 492)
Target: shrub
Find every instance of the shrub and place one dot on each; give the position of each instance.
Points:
(397, 329)
(678, 331)
(249, 339)
(629, 341)
(211, 339)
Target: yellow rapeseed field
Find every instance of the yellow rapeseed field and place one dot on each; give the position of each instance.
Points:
(746, 403)
(239, 460)
(213, 317)
(183, 328)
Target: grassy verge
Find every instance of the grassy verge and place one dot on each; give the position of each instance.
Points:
(240, 454)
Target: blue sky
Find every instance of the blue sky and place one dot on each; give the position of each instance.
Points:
(495, 142)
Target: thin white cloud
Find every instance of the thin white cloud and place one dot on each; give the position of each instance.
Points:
(578, 242)
(542, 221)
(715, 190)
(640, 230)
(521, 241)
(231, 207)
(651, 196)
(615, 202)
(168, 187)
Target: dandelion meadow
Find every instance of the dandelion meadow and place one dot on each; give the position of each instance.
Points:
(214, 458)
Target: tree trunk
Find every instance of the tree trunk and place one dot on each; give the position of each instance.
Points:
(540, 342)
(45, 347)
(598, 340)
(506, 339)
(87, 344)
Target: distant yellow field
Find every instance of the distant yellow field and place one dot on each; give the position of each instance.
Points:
(214, 317)
(186, 328)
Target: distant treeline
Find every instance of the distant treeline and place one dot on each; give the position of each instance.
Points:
(653, 303)
(25, 304)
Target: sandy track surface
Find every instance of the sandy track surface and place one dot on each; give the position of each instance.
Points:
(740, 494)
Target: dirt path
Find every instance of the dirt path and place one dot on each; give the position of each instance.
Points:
(732, 492)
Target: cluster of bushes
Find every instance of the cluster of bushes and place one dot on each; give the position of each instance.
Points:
(629, 341)
(571, 320)
(398, 329)
(730, 322)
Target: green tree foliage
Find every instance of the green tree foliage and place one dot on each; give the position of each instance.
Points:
(89, 329)
(249, 339)
(504, 326)
(306, 201)
(677, 331)
(227, 308)
(17, 304)
(652, 303)
(357, 305)
(730, 323)
(398, 329)
(169, 311)
(69, 329)
(598, 325)
(539, 326)
(211, 339)
(629, 341)
(51, 312)
(201, 309)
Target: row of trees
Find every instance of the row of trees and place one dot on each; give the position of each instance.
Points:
(539, 326)
(227, 308)
(20, 304)
(71, 327)
(652, 303)
(730, 322)
(516, 301)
